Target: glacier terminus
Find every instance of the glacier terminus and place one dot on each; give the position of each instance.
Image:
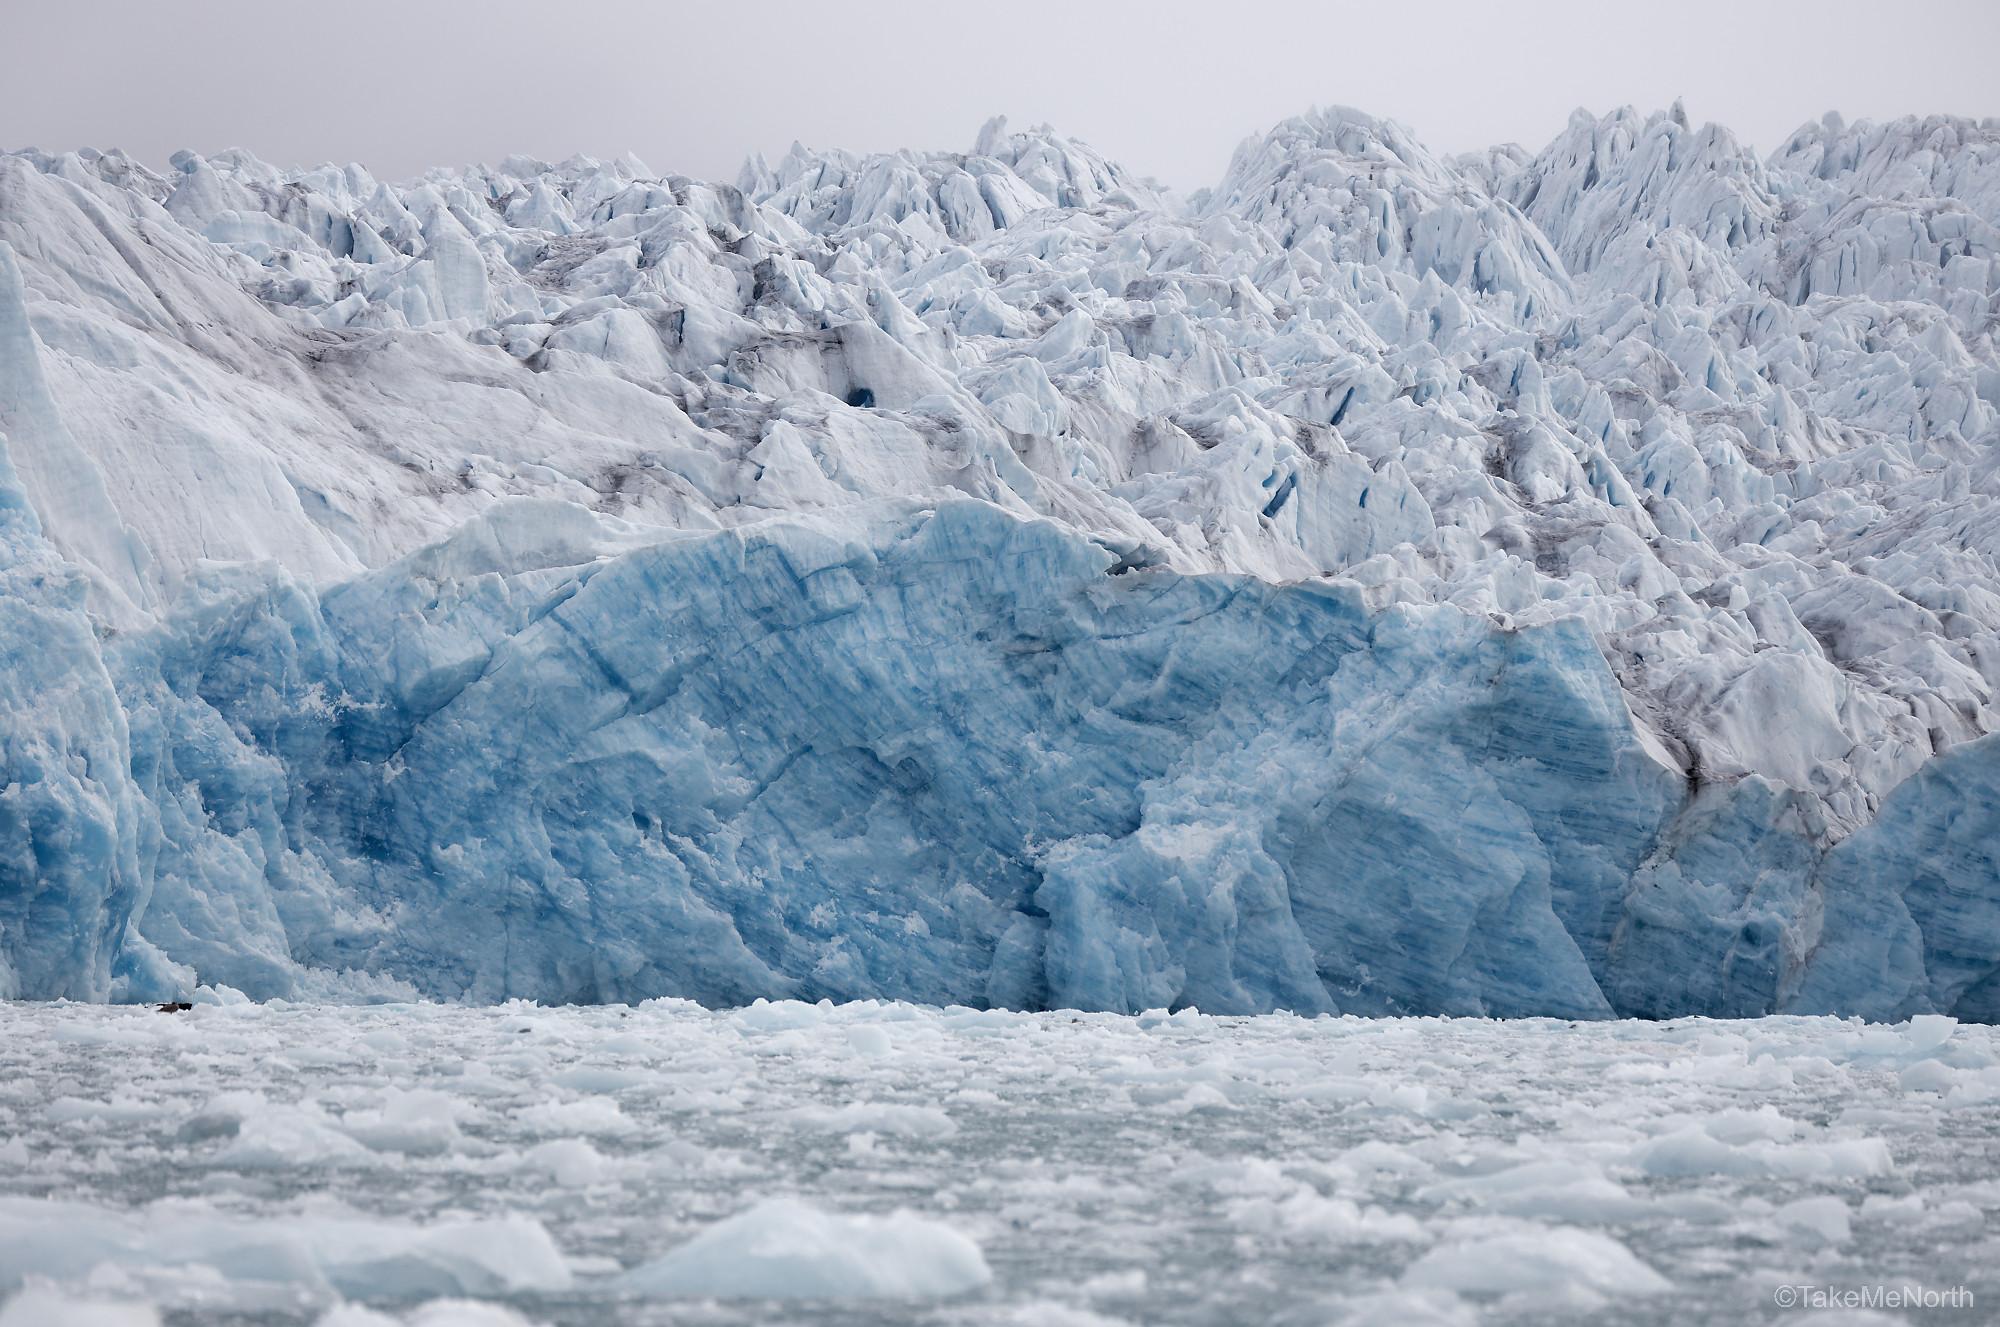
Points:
(1510, 584)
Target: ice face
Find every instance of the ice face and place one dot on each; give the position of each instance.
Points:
(1512, 584)
(936, 753)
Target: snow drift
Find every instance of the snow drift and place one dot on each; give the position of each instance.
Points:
(1381, 583)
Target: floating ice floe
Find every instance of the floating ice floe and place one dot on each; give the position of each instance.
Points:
(1098, 1169)
(783, 1249)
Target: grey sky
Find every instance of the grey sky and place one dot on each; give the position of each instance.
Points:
(1167, 87)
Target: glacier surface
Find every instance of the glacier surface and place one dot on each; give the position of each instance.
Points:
(1557, 584)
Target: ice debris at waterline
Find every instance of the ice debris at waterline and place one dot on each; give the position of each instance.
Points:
(346, 1166)
(1381, 583)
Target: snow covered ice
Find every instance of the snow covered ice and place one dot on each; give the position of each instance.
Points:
(469, 1166)
(1555, 584)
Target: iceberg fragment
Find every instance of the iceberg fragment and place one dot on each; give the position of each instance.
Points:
(783, 1249)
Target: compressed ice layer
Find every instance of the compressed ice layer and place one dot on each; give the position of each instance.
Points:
(899, 756)
(562, 580)
(893, 1164)
(955, 755)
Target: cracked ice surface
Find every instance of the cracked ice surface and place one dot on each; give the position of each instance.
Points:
(1556, 583)
(280, 1164)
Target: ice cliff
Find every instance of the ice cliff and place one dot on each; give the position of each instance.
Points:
(1557, 584)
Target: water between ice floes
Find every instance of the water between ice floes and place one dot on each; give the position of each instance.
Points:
(481, 1167)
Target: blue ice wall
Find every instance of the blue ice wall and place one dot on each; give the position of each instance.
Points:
(71, 882)
(943, 754)
(1913, 901)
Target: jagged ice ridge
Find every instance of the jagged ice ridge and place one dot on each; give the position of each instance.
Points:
(1556, 584)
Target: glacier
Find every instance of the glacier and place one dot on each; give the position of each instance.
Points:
(1382, 583)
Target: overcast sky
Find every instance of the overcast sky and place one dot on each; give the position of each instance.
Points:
(1167, 87)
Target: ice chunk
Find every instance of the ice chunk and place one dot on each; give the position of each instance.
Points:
(1408, 1308)
(419, 1123)
(571, 1162)
(312, 1254)
(1563, 1190)
(1546, 1262)
(1930, 1031)
(1824, 1216)
(1694, 1150)
(786, 1249)
(874, 1117)
(437, 1313)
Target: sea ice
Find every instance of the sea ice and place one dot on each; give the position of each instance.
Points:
(618, 1164)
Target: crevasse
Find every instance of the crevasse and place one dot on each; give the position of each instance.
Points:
(1510, 584)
